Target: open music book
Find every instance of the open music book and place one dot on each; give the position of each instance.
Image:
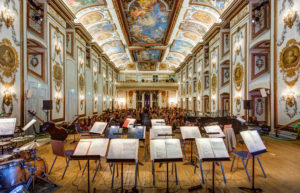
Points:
(98, 127)
(212, 149)
(129, 123)
(123, 150)
(214, 131)
(158, 122)
(253, 142)
(91, 147)
(161, 130)
(7, 126)
(165, 150)
(190, 132)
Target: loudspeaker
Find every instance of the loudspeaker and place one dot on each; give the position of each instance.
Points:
(247, 104)
(47, 105)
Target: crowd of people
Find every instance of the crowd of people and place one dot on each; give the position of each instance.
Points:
(172, 116)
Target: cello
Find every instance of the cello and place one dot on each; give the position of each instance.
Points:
(56, 133)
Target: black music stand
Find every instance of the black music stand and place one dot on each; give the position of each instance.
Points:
(255, 146)
(124, 151)
(173, 153)
(206, 149)
(47, 106)
(90, 153)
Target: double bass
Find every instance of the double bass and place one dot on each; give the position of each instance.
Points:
(56, 133)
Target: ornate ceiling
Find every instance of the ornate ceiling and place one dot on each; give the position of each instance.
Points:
(147, 35)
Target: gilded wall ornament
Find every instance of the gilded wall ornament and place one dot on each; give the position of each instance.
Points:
(190, 90)
(81, 82)
(238, 76)
(290, 62)
(8, 63)
(238, 104)
(259, 107)
(58, 79)
(8, 68)
(290, 18)
(199, 86)
(214, 83)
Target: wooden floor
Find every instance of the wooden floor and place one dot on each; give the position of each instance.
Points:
(281, 164)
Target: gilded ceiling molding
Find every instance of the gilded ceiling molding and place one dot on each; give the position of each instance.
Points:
(56, 16)
(240, 16)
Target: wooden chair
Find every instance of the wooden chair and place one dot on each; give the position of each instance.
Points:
(58, 149)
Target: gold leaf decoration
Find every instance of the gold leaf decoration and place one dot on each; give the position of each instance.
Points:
(290, 62)
(238, 76)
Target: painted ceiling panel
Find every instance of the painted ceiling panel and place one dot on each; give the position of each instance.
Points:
(145, 27)
(79, 4)
(182, 47)
(147, 55)
(147, 20)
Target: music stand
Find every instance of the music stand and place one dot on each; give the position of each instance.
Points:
(90, 149)
(190, 133)
(124, 151)
(165, 150)
(212, 150)
(47, 106)
(255, 146)
(7, 127)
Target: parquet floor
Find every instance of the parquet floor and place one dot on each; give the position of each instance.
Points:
(281, 164)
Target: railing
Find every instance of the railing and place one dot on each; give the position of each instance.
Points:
(147, 85)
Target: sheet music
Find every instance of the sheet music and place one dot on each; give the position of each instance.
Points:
(165, 149)
(253, 142)
(211, 130)
(123, 149)
(167, 127)
(158, 122)
(29, 124)
(173, 148)
(154, 133)
(158, 149)
(190, 132)
(204, 148)
(91, 147)
(82, 148)
(219, 148)
(98, 127)
(7, 126)
(212, 148)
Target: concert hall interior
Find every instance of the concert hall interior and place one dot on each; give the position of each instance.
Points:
(149, 96)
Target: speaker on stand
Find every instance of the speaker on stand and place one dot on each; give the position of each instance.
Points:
(47, 106)
(247, 106)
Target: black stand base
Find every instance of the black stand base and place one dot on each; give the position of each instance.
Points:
(254, 190)
(195, 188)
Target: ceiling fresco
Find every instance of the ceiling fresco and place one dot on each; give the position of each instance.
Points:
(198, 19)
(147, 55)
(144, 34)
(147, 21)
